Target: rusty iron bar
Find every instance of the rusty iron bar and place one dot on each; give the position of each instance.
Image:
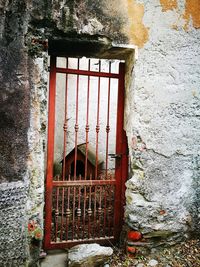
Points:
(120, 149)
(79, 209)
(87, 127)
(99, 211)
(71, 243)
(105, 210)
(83, 182)
(89, 212)
(68, 212)
(84, 213)
(97, 123)
(89, 208)
(76, 127)
(108, 121)
(73, 212)
(86, 73)
(62, 213)
(95, 212)
(57, 211)
(64, 150)
(109, 211)
(65, 123)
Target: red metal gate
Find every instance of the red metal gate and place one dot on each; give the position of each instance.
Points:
(84, 202)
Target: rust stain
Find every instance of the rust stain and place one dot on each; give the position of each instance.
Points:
(168, 5)
(192, 10)
(137, 32)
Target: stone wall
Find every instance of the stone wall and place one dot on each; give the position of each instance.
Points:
(163, 192)
(23, 125)
(162, 110)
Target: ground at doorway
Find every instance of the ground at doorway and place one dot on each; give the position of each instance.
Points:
(186, 254)
(55, 259)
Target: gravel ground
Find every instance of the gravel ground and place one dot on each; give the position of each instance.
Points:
(185, 254)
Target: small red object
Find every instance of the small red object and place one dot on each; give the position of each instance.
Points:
(131, 250)
(31, 226)
(134, 235)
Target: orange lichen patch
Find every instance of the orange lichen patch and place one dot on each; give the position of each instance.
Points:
(192, 10)
(168, 5)
(137, 32)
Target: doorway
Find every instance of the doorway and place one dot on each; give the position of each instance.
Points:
(87, 158)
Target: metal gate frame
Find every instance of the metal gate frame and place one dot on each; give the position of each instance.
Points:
(121, 169)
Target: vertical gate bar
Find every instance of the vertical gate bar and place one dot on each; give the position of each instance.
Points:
(99, 210)
(118, 165)
(97, 125)
(87, 120)
(64, 150)
(68, 211)
(84, 212)
(89, 210)
(109, 209)
(76, 124)
(95, 211)
(75, 157)
(73, 211)
(108, 119)
(50, 152)
(79, 209)
(57, 211)
(62, 213)
(65, 123)
(105, 200)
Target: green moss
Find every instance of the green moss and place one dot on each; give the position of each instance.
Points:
(35, 50)
(128, 200)
(159, 234)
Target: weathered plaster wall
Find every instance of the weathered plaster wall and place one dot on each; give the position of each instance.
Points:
(14, 120)
(23, 120)
(163, 193)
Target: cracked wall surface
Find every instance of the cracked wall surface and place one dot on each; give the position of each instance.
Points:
(161, 111)
(163, 193)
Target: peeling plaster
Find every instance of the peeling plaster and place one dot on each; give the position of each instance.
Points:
(137, 31)
(192, 10)
(168, 5)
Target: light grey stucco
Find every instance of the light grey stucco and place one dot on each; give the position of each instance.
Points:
(162, 193)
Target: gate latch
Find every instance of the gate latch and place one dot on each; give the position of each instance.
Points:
(115, 156)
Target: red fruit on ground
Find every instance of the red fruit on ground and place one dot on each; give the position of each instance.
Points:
(134, 235)
(131, 250)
